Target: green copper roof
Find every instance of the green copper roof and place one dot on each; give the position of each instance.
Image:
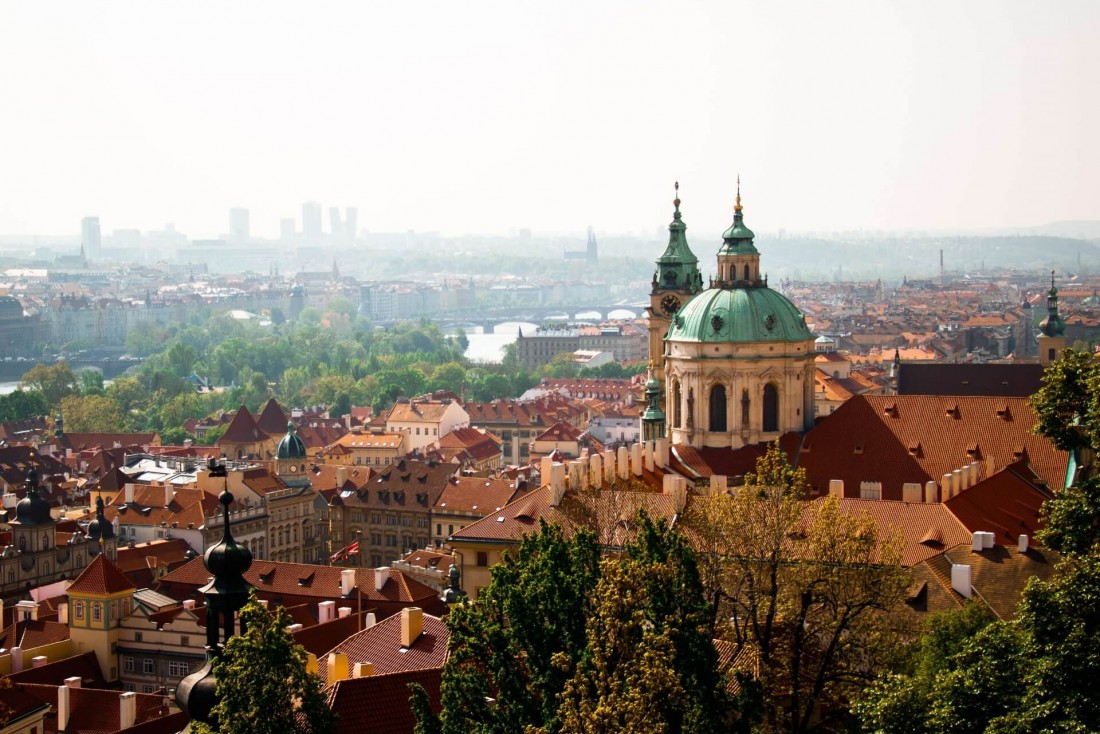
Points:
(678, 268)
(724, 315)
(737, 240)
(1052, 325)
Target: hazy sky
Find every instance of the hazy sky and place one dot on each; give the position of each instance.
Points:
(480, 117)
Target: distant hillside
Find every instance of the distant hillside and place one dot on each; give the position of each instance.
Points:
(1087, 229)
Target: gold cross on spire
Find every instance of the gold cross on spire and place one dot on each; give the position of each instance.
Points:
(737, 207)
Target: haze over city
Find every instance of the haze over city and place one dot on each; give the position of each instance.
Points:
(486, 117)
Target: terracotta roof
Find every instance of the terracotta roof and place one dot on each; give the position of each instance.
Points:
(372, 440)
(33, 633)
(705, 462)
(84, 666)
(559, 432)
(894, 439)
(522, 516)
(17, 703)
(381, 646)
(272, 419)
(278, 578)
(379, 704)
(320, 638)
(1019, 379)
(416, 411)
(80, 441)
(96, 710)
(926, 529)
(243, 429)
(475, 495)
(1000, 573)
(1008, 504)
(100, 577)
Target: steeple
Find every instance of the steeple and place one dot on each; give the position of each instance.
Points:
(225, 594)
(677, 268)
(653, 418)
(738, 258)
(1052, 325)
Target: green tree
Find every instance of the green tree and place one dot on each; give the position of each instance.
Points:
(262, 683)
(806, 587)
(450, 376)
(1067, 403)
(21, 404)
(92, 414)
(54, 381)
(91, 382)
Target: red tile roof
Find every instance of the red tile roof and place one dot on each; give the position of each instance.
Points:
(272, 419)
(380, 645)
(379, 704)
(926, 529)
(894, 439)
(33, 633)
(100, 577)
(1007, 504)
(475, 495)
(84, 666)
(96, 710)
(243, 429)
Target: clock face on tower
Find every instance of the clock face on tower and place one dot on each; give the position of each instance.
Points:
(670, 304)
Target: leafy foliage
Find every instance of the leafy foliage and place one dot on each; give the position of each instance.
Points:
(262, 683)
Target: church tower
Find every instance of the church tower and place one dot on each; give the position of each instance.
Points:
(1052, 329)
(653, 418)
(675, 281)
(290, 459)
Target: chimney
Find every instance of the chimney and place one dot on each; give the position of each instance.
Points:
(326, 611)
(960, 480)
(312, 665)
(127, 710)
(557, 483)
(337, 667)
(545, 464)
(608, 465)
(26, 609)
(636, 459)
(168, 493)
(341, 475)
(412, 624)
(370, 621)
(189, 604)
(679, 495)
(62, 612)
(911, 492)
(347, 581)
(836, 488)
(577, 475)
(362, 670)
(870, 490)
(946, 492)
(931, 492)
(650, 461)
(9, 501)
(39, 660)
(595, 470)
(1022, 544)
(988, 539)
(660, 450)
(343, 612)
(63, 707)
(129, 493)
(976, 541)
(296, 627)
(718, 483)
(622, 463)
(960, 578)
(17, 659)
(381, 576)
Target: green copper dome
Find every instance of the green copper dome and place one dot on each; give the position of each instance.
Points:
(677, 267)
(724, 315)
(291, 447)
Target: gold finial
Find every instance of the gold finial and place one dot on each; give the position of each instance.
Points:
(676, 199)
(737, 207)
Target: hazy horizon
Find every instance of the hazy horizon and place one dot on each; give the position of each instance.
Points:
(486, 117)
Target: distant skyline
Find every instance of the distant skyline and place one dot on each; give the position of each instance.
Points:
(488, 117)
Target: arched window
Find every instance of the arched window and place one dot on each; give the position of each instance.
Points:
(771, 408)
(677, 411)
(718, 408)
(45, 542)
(23, 544)
(746, 272)
(78, 610)
(97, 612)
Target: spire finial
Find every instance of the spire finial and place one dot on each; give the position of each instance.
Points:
(676, 200)
(737, 207)
(1052, 280)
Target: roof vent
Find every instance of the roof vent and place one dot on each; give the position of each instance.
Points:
(953, 411)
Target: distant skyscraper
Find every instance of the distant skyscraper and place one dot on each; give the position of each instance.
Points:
(351, 216)
(335, 225)
(286, 229)
(238, 225)
(592, 256)
(90, 237)
(311, 219)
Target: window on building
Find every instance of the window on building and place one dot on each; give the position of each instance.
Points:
(391, 540)
(771, 408)
(439, 528)
(718, 408)
(128, 664)
(147, 666)
(78, 610)
(185, 641)
(138, 637)
(97, 612)
(147, 688)
(482, 558)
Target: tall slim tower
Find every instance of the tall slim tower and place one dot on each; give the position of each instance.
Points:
(592, 254)
(90, 237)
(1052, 329)
(238, 225)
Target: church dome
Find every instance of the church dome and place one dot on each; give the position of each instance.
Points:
(729, 315)
(291, 447)
(32, 509)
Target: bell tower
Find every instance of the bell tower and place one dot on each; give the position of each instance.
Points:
(1052, 329)
(675, 281)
